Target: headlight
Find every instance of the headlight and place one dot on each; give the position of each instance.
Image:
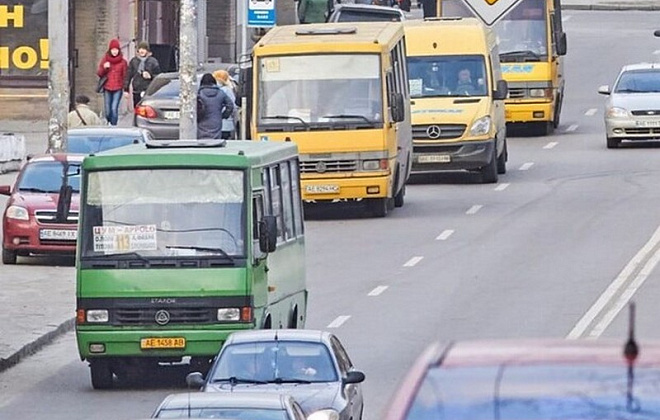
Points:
(229, 314)
(97, 316)
(540, 93)
(374, 165)
(480, 126)
(324, 415)
(18, 213)
(616, 112)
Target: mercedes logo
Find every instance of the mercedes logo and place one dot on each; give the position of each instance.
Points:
(321, 167)
(433, 132)
(162, 317)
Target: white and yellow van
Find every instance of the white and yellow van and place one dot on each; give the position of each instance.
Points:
(457, 97)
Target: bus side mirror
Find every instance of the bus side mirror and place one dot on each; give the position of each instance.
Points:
(562, 44)
(657, 32)
(397, 106)
(268, 234)
(501, 91)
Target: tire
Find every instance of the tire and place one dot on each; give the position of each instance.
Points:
(399, 199)
(501, 160)
(101, 374)
(379, 207)
(555, 120)
(611, 144)
(489, 172)
(546, 128)
(9, 257)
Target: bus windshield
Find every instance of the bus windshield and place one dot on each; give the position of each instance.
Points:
(320, 91)
(437, 76)
(164, 213)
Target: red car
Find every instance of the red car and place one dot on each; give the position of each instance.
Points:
(36, 220)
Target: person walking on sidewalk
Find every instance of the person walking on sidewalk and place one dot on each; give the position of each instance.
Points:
(114, 67)
(213, 106)
(82, 114)
(228, 125)
(141, 71)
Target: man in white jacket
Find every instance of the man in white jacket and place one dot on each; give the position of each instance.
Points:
(82, 115)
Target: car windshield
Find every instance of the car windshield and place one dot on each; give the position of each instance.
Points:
(437, 76)
(164, 213)
(168, 87)
(222, 413)
(320, 92)
(48, 176)
(537, 392)
(634, 81)
(275, 361)
(367, 16)
(88, 144)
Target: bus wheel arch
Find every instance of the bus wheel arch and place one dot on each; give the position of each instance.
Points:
(101, 374)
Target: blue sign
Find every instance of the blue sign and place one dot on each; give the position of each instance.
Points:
(261, 13)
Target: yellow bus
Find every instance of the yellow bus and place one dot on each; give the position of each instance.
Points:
(532, 44)
(340, 92)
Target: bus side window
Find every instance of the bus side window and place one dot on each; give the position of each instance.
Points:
(257, 214)
(287, 200)
(297, 200)
(276, 201)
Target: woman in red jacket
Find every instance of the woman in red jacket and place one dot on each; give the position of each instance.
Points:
(114, 66)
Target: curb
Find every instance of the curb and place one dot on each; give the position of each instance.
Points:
(610, 7)
(36, 345)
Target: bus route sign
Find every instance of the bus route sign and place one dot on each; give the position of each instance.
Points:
(261, 13)
(490, 11)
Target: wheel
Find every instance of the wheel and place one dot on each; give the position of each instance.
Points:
(9, 257)
(612, 143)
(555, 120)
(489, 172)
(399, 199)
(379, 207)
(501, 160)
(545, 128)
(101, 374)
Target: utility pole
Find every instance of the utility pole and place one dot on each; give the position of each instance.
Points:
(188, 69)
(58, 73)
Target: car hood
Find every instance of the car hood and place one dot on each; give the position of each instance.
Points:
(41, 201)
(635, 101)
(311, 397)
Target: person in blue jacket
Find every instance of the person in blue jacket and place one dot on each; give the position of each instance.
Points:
(213, 106)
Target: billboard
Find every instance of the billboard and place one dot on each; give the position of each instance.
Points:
(23, 38)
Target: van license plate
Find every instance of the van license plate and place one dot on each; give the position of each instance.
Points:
(163, 343)
(322, 189)
(434, 159)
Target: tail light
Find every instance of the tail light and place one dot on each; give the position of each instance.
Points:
(145, 111)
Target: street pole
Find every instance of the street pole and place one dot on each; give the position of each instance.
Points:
(244, 33)
(58, 74)
(188, 69)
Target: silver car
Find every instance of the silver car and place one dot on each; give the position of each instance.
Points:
(365, 13)
(632, 111)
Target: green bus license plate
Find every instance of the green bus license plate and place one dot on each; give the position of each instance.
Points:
(163, 343)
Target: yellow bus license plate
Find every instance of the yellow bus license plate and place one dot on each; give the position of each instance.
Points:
(434, 159)
(163, 343)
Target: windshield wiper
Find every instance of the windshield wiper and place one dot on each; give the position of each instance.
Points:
(37, 190)
(289, 381)
(522, 54)
(121, 254)
(632, 91)
(234, 380)
(285, 117)
(202, 248)
(362, 117)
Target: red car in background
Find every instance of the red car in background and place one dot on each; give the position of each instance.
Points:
(41, 216)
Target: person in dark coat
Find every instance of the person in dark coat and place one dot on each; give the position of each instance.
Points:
(114, 67)
(141, 71)
(430, 8)
(216, 106)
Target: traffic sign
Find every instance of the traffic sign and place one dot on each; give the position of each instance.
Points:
(490, 11)
(261, 13)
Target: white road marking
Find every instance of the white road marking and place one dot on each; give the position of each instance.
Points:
(591, 112)
(526, 166)
(566, 18)
(378, 290)
(551, 145)
(572, 127)
(617, 284)
(444, 235)
(338, 321)
(656, 52)
(503, 186)
(474, 209)
(413, 261)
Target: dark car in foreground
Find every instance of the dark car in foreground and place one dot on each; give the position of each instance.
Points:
(531, 380)
(365, 13)
(311, 366)
(95, 139)
(41, 216)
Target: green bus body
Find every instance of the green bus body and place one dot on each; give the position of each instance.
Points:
(177, 297)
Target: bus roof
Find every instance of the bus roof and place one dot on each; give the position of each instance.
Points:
(330, 37)
(441, 36)
(235, 153)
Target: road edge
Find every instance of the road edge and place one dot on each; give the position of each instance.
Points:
(611, 7)
(36, 345)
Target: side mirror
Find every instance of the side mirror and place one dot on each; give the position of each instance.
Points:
(562, 44)
(604, 90)
(657, 32)
(501, 90)
(268, 234)
(64, 203)
(5, 189)
(397, 106)
(195, 380)
(354, 377)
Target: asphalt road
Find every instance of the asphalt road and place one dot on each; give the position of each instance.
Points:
(528, 257)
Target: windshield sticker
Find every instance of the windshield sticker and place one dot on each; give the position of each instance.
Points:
(272, 65)
(415, 87)
(125, 238)
(517, 68)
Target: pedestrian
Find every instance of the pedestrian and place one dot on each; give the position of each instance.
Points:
(114, 67)
(215, 106)
(430, 8)
(82, 114)
(226, 85)
(141, 70)
(313, 11)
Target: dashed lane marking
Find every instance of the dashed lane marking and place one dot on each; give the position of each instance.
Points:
(503, 186)
(551, 145)
(377, 291)
(444, 235)
(413, 261)
(572, 128)
(474, 209)
(591, 112)
(338, 321)
(526, 166)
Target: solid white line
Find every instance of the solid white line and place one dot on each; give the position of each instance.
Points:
(474, 209)
(413, 261)
(572, 127)
(591, 112)
(526, 166)
(338, 321)
(503, 186)
(444, 235)
(551, 145)
(613, 288)
(378, 290)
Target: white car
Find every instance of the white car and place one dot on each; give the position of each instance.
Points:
(632, 111)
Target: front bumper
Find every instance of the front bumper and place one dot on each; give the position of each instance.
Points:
(348, 188)
(633, 128)
(441, 157)
(27, 234)
(524, 112)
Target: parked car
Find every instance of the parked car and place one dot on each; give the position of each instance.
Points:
(365, 13)
(253, 406)
(632, 111)
(95, 139)
(41, 215)
(312, 366)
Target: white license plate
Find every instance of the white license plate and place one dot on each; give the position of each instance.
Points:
(434, 159)
(58, 234)
(322, 189)
(171, 115)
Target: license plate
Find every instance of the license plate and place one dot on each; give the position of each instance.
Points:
(322, 189)
(434, 159)
(171, 115)
(647, 123)
(163, 343)
(58, 234)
